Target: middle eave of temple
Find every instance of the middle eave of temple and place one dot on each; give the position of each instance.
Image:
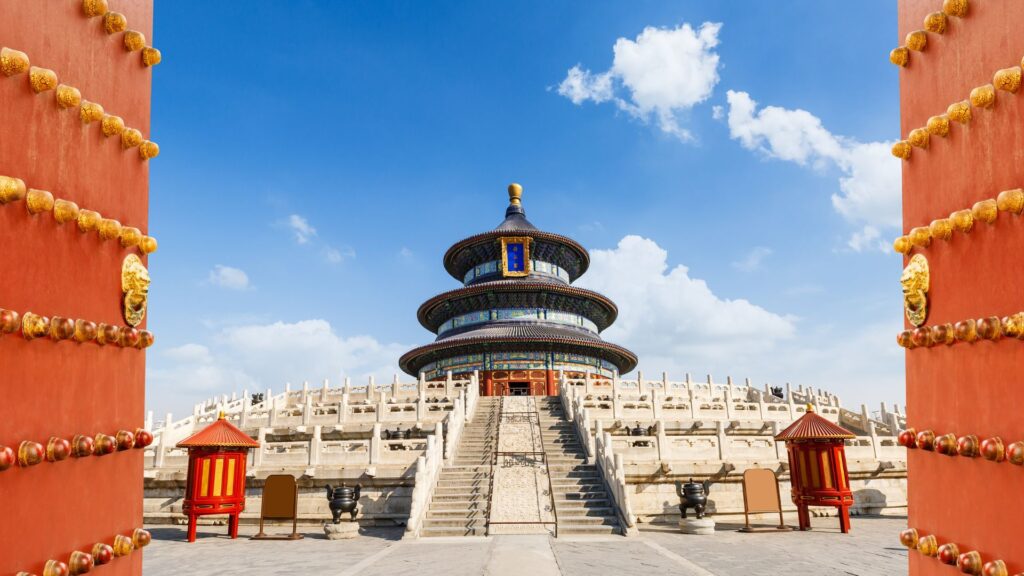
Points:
(524, 293)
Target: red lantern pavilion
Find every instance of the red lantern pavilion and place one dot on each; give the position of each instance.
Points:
(817, 465)
(216, 473)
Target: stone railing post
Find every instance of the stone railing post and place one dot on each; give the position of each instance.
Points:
(656, 399)
(243, 417)
(307, 410)
(448, 384)
(722, 439)
(395, 386)
(639, 382)
(588, 382)
(315, 446)
(347, 388)
(343, 408)
(728, 398)
(257, 458)
(370, 389)
(375, 443)
(662, 440)
(148, 423)
(164, 445)
(382, 407)
(272, 412)
(325, 391)
(448, 449)
(875, 446)
(780, 447)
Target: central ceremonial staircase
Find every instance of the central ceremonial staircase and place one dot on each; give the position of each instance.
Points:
(461, 501)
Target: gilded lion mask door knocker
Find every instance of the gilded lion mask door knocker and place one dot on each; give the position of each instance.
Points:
(915, 281)
(135, 286)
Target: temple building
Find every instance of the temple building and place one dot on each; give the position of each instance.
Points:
(517, 319)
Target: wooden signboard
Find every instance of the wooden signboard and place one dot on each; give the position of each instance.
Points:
(761, 495)
(280, 502)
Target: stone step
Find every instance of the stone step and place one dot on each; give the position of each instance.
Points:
(590, 495)
(454, 523)
(463, 480)
(562, 504)
(571, 471)
(566, 459)
(585, 512)
(459, 497)
(587, 520)
(463, 506)
(587, 530)
(451, 468)
(468, 514)
(475, 531)
(456, 476)
(576, 488)
(469, 491)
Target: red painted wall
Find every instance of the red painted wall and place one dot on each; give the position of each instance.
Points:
(62, 389)
(966, 388)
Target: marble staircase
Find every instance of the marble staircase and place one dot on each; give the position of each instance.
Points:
(459, 503)
(581, 499)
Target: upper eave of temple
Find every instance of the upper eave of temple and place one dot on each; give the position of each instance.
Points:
(546, 246)
(525, 293)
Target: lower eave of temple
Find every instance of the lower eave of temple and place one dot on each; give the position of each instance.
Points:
(414, 360)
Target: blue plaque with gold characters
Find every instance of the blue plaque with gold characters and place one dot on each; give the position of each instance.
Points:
(515, 256)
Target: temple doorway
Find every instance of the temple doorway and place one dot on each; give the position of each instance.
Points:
(518, 388)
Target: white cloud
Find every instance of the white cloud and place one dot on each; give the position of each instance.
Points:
(260, 356)
(302, 229)
(752, 261)
(869, 189)
(717, 112)
(406, 253)
(228, 277)
(657, 76)
(339, 255)
(675, 323)
(866, 239)
(667, 314)
(581, 85)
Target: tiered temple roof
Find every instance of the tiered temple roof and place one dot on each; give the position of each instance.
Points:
(517, 297)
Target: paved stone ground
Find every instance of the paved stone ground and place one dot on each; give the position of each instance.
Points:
(871, 549)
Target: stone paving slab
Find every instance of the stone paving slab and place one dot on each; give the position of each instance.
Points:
(871, 549)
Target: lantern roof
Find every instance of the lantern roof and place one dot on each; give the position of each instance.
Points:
(220, 434)
(810, 426)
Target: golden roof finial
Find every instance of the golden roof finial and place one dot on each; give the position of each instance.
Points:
(810, 407)
(515, 193)
(221, 416)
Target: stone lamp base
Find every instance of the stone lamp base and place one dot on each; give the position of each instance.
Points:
(341, 531)
(703, 526)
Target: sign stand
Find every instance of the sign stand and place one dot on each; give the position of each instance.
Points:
(761, 495)
(280, 502)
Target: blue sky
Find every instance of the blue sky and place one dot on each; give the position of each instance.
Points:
(318, 158)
